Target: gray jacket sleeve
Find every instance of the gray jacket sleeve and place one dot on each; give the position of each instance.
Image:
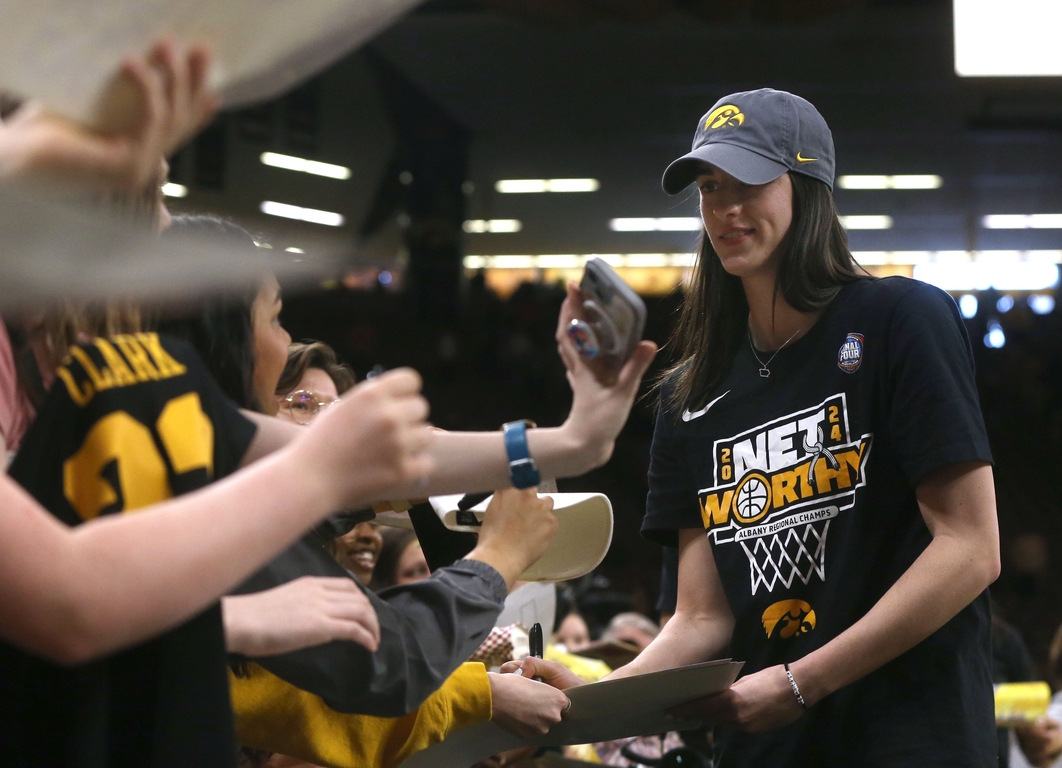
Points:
(427, 630)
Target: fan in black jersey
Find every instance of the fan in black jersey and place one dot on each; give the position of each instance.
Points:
(823, 429)
(132, 421)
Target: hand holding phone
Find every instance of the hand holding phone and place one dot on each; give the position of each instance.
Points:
(612, 321)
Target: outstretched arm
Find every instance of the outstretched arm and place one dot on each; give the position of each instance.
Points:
(426, 629)
(699, 631)
(74, 594)
(300, 614)
(958, 506)
(468, 462)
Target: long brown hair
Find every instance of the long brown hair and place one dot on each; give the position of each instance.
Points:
(712, 323)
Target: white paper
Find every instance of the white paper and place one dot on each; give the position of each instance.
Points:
(580, 544)
(530, 604)
(612, 709)
(67, 53)
(51, 250)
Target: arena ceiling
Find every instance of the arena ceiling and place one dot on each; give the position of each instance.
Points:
(612, 90)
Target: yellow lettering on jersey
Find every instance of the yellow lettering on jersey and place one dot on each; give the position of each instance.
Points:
(120, 372)
(715, 511)
(784, 488)
(101, 380)
(79, 396)
(119, 438)
(168, 367)
(187, 434)
(138, 358)
(846, 472)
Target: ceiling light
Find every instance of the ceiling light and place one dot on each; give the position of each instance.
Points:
(496, 226)
(863, 182)
(559, 261)
(303, 165)
(1042, 304)
(866, 222)
(669, 224)
(917, 181)
(1018, 41)
(909, 181)
(995, 338)
(573, 185)
(169, 189)
(574, 261)
(311, 215)
(1023, 221)
(293, 249)
(1004, 274)
(968, 306)
(528, 186)
(512, 262)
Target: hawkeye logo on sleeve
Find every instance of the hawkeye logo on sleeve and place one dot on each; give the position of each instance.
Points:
(778, 486)
(726, 116)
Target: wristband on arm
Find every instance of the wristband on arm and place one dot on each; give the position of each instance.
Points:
(523, 471)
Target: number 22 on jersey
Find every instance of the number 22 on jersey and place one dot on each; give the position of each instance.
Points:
(187, 439)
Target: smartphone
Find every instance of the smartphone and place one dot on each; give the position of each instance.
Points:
(613, 318)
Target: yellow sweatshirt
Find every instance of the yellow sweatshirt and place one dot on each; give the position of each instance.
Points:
(278, 717)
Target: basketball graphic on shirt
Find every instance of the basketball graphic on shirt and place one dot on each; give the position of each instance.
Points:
(753, 498)
(778, 486)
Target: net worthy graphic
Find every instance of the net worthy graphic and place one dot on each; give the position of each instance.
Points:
(779, 485)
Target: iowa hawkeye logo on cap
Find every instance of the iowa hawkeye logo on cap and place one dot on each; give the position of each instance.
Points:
(850, 355)
(725, 116)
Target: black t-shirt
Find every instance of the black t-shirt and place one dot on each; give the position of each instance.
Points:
(130, 422)
(805, 484)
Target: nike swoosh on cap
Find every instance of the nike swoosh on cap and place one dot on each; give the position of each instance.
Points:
(688, 415)
(806, 159)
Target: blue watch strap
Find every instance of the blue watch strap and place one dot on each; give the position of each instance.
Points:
(522, 468)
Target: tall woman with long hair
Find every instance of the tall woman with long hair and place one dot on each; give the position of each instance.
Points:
(823, 429)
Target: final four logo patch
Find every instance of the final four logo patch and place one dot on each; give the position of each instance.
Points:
(850, 355)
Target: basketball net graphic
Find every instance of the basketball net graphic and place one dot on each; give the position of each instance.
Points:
(793, 553)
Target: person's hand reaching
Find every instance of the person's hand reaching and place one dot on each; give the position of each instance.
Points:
(375, 439)
(171, 101)
(524, 707)
(518, 525)
(300, 614)
(1041, 742)
(601, 399)
(550, 672)
(758, 702)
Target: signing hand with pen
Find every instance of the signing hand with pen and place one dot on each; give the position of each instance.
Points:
(549, 672)
(524, 707)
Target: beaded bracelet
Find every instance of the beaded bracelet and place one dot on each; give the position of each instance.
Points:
(796, 689)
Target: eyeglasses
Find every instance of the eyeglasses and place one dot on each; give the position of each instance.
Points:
(305, 405)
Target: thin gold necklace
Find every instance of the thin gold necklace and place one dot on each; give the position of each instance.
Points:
(764, 370)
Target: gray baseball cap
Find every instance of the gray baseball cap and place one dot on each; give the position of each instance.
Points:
(756, 136)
